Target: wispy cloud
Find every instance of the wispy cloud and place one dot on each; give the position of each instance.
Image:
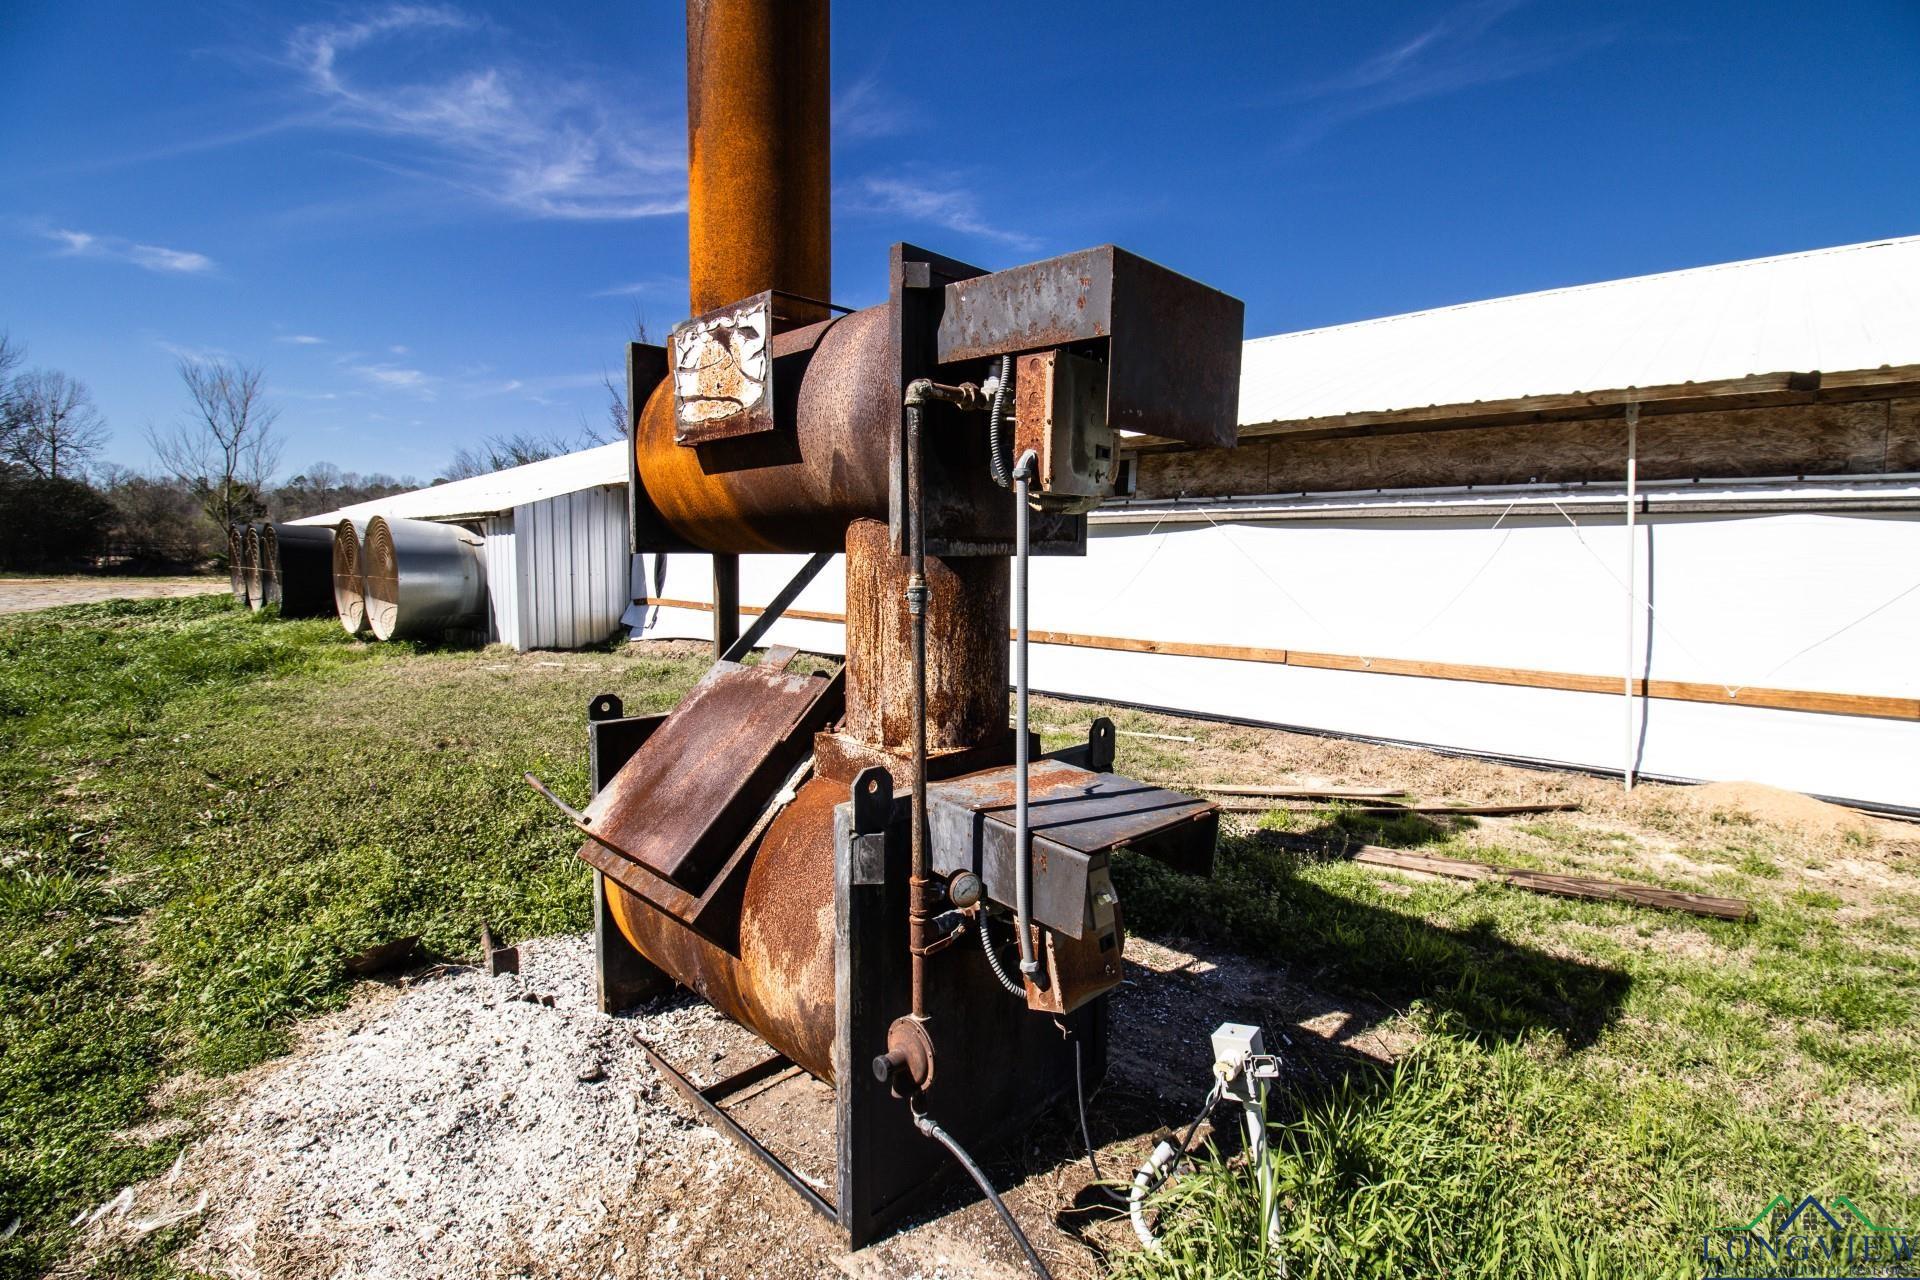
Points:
(654, 287)
(152, 257)
(387, 375)
(301, 340)
(865, 109)
(1460, 51)
(537, 141)
(939, 204)
(186, 351)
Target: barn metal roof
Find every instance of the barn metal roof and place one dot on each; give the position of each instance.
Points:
(497, 491)
(1851, 308)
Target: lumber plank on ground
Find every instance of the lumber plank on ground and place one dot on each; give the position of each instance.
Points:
(1474, 810)
(1563, 886)
(1304, 793)
(1251, 804)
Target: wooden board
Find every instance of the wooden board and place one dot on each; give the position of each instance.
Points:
(1252, 804)
(1874, 705)
(1303, 793)
(1903, 435)
(1756, 391)
(1564, 886)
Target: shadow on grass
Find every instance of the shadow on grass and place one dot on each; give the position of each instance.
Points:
(1257, 904)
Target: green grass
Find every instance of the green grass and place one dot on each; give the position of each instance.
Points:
(204, 813)
(1594, 1085)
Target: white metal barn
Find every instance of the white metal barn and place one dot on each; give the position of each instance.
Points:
(555, 543)
(1668, 524)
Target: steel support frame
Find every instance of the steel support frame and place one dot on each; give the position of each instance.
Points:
(622, 977)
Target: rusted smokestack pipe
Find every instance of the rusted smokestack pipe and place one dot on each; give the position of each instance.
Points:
(758, 190)
(758, 194)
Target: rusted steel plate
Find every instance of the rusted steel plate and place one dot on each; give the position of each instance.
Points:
(1077, 818)
(692, 791)
(1173, 344)
(1091, 812)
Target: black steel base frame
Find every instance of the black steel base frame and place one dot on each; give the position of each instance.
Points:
(998, 1065)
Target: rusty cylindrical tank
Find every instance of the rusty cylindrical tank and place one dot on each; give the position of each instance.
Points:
(794, 490)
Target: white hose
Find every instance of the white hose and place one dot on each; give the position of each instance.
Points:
(1152, 1173)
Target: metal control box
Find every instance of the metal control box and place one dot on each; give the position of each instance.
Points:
(1060, 413)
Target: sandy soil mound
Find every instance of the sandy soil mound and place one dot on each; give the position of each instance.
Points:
(1779, 807)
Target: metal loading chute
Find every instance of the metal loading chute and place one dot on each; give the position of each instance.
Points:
(758, 844)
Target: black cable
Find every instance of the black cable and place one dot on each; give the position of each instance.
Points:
(1086, 1135)
(993, 958)
(926, 1124)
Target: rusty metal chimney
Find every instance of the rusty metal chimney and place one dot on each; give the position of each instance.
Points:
(758, 193)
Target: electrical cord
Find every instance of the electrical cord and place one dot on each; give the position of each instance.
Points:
(1155, 1171)
(1086, 1135)
(927, 1125)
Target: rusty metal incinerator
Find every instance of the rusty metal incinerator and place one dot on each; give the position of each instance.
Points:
(873, 870)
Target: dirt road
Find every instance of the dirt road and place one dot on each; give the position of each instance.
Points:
(23, 595)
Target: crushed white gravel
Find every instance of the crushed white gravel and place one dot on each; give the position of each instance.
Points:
(456, 1127)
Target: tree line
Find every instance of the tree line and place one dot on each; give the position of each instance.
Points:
(63, 508)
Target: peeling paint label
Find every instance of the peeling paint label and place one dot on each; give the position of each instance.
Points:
(720, 365)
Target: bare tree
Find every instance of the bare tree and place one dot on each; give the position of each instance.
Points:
(53, 426)
(225, 446)
(497, 453)
(11, 354)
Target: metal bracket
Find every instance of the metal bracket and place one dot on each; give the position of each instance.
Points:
(706, 1101)
(778, 606)
(872, 801)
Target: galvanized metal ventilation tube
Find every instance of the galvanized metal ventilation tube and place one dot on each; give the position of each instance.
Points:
(298, 564)
(237, 561)
(250, 555)
(349, 582)
(423, 579)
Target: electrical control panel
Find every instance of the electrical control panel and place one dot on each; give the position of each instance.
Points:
(1060, 413)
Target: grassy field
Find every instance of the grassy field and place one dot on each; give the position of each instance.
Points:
(205, 814)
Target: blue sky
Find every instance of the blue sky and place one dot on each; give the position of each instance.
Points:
(435, 222)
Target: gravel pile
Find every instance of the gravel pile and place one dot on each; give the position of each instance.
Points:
(463, 1126)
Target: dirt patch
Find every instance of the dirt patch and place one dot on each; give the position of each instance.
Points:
(1780, 808)
(23, 595)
